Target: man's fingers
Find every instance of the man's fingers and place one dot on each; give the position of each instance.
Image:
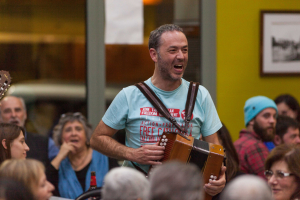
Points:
(154, 147)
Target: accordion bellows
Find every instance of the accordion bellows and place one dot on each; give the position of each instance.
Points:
(207, 156)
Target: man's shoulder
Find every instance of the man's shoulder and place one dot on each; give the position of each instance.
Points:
(245, 140)
(248, 143)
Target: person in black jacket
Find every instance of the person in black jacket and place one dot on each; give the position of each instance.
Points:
(13, 110)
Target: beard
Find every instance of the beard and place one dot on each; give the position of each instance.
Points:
(263, 133)
(164, 69)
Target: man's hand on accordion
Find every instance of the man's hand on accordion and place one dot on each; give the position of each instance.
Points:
(148, 154)
(214, 187)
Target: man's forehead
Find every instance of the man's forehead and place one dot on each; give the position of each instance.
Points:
(11, 102)
(173, 36)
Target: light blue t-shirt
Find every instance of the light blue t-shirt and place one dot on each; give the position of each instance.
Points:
(144, 125)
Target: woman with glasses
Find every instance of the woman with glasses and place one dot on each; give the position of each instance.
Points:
(70, 170)
(13, 143)
(283, 172)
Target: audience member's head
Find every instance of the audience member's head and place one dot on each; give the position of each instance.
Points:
(287, 131)
(13, 110)
(232, 158)
(283, 172)
(176, 181)
(260, 114)
(13, 190)
(124, 183)
(247, 187)
(288, 105)
(29, 172)
(70, 118)
(13, 144)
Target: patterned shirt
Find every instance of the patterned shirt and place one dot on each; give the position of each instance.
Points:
(252, 153)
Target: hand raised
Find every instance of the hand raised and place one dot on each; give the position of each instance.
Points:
(214, 187)
(148, 154)
(65, 149)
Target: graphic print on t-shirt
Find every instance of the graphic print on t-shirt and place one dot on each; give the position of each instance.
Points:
(154, 124)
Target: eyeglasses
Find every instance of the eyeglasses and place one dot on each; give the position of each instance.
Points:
(69, 114)
(278, 174)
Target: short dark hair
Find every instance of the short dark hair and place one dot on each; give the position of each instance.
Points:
(284, 123)
(9, 132)
(154, 39)
(290, 101)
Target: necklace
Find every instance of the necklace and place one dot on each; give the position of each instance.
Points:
(78, 165)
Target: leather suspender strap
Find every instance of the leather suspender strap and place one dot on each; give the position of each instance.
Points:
(190, 103)
(156, 102)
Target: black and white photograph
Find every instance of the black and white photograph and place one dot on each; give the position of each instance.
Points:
(280, 43)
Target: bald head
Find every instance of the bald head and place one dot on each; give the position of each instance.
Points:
(13, 110)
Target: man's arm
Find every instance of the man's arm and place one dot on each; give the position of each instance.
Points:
(103, 142)
(212, 139)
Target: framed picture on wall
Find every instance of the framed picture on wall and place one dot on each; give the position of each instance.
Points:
(280, 43)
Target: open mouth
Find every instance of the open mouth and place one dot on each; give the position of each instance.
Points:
(74, 141)
(15, 122)
(178, 66)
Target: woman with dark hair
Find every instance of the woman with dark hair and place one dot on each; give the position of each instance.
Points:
(13, 144)
(70, 170)
(232, 159)
(288, 105)
(283, 172)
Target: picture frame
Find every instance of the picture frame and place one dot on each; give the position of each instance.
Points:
(279, 43)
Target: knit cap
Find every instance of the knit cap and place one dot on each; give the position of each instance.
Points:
(255, 105)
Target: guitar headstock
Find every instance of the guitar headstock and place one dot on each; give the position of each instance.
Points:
(5, 80)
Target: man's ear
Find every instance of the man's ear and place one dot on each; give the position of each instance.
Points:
(4, 144)
(277, 140)
(251, 122)
(153, 54)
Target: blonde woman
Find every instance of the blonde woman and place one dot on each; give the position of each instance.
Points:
(29, 172)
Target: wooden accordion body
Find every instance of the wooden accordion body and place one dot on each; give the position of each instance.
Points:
(207, 156)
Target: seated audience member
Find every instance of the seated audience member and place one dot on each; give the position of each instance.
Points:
(29, 172)
(13, 111)
(232, 158)
(13, 190)
(288, 106)
(70, 170)
(176, 181)
(13, 143)
(260, 119)
(287, 131)
(283, 172)
(247, 187)
(124, 183)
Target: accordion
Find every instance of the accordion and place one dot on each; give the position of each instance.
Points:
(207, 156)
